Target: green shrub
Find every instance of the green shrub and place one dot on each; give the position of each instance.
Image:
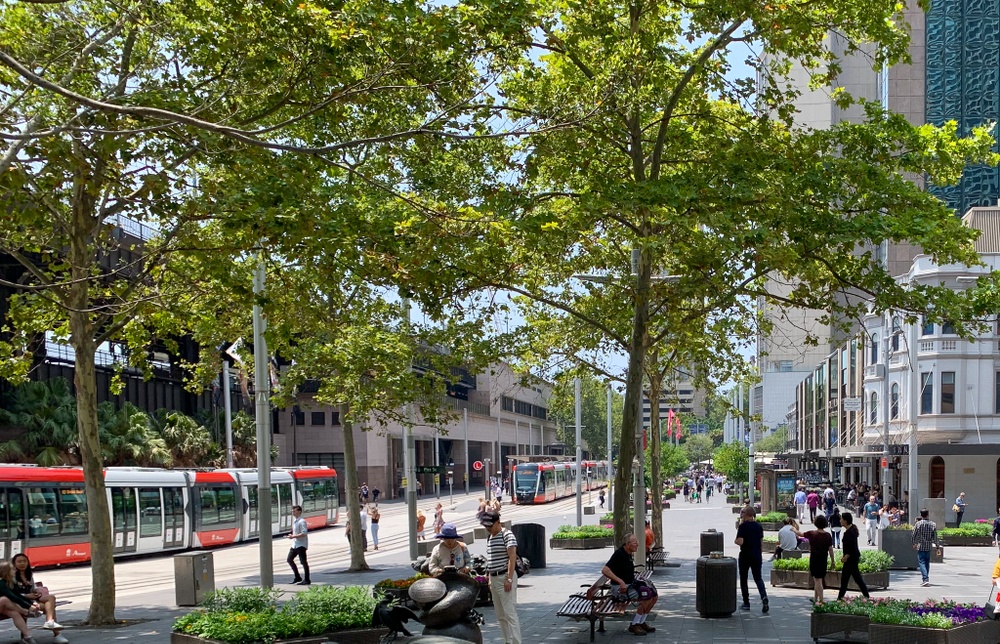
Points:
(871, 561)
(607, 518)
(248, 615)
(582, 532)
(771, 539)
(773, 517)
(968, 530)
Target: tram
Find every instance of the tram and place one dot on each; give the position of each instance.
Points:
(43, 510)
(544, 482)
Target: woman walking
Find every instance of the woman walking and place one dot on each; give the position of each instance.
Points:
(373, 516)
(820, 543)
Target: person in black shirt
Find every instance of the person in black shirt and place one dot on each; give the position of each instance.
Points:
(620, 571)
(750, 539)
(850, 557)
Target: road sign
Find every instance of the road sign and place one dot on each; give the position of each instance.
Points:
(852, 404)
(478, 466)
(885, 463)
(430, 469)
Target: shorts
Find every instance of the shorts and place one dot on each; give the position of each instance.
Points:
(817, 566)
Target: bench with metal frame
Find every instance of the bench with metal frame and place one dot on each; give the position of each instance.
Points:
(597, 604)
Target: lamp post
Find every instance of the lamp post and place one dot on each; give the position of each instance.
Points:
(486, 477)
(451, 489)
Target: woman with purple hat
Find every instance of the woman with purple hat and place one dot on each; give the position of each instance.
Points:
(450, 553)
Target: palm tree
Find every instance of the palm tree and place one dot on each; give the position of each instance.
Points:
(127, 437)
(45, 411)
(189, 442)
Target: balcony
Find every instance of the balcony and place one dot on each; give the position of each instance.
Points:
(874, 372)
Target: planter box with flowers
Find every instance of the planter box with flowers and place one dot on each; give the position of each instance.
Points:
(794, 573)
(582, 537)
(969, 534)
(249, 615)
(896, 620)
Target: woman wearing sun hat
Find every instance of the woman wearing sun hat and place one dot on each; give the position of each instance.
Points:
(451, 552)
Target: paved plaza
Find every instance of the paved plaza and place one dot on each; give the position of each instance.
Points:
(146, 590)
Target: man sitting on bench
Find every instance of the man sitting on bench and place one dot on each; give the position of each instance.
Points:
(620, 570)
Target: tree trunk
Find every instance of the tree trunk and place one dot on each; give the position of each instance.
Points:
(351, 487)
(655, 445)
(633, 398)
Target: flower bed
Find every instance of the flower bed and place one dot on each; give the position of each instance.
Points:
(900, 620)
(250, 615)
(582, 537)
(794, 572)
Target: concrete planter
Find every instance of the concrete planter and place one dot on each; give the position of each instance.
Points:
(975, 633)
(827, 624)
(771, 526)
(802, 579)
(356, 636)
(967, 541)
(898, 543)
(581, 544)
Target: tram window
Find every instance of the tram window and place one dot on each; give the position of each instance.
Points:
(73, 504)
(209, 507)
(275, 511)
(285, 498)
(313, 495)
(227, 505)
(11, 514)
(548, 479)
(150, 522)
(333, 493)
(43, 510)
(173, 503)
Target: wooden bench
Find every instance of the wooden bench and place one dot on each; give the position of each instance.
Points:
(658, 557)
(597, 604)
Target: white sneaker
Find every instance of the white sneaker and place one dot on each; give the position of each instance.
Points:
(59, 639)
(51, 625)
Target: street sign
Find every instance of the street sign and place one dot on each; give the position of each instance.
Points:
(478, 466)
(852, 404)
(885, 463)
(430, 469)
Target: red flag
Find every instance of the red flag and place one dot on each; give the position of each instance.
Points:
(678, 425)
(670, 423)
(644, 440)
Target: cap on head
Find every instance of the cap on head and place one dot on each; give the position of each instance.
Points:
(488, 518)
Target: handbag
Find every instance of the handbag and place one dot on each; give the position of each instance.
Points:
(954, 507)
(992, 607)
(521, 566)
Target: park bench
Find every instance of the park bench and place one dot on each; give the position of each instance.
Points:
(657, 556)
(597, 604)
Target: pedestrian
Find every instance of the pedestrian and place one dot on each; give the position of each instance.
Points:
(364, 493)
(482, 508)
(450, 553)
(374, 515)
(708, 493)
(850, 557)
(836, 520)
(421, 522)
(650, 536)
(852, 497)
(600, 498)
(787, 537)
(924, 538)
(420, 489)
(820, 544)
(812, 501)
(959, 509)
(700, 490)
(996, 529)
(686, 491)
(438, 518)
(376, 493)
(800, 504)
(501, 557)
(364, 527)
(620, 571)
(829, 500)
(750, 539)
(300, 543)
(872, 512)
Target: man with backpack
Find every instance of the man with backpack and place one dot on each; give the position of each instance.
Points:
(501, 566)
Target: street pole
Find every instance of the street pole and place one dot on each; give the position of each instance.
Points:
(611, 467)
(914, 498)
(750, 481)
(579, 453)
(451, 488)
(437, 464)
(639, 494)
(410, 458)
(486, 477)
(229, 411)
(262, 390)
(885, 413)
(465, 424)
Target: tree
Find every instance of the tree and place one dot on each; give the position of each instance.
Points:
(699, 448)
(733, 460)
(776, 441)
(594, 409)
(673, 461)
(45, 412)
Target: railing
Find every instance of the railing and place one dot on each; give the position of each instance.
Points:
(474, 408)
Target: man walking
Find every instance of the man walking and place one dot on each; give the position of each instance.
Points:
(750, 539)
(800, 504)
(364, 527)
(501, 555)
(924, 538)
(300, 543)
(871, 511)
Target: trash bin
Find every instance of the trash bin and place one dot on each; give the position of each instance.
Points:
(531, 542)
(711, 541)
(715, 586)
(194, 577)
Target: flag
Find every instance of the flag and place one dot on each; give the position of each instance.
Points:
(677, 419)
(670, 423)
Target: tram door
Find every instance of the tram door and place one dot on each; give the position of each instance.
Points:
(252, 522)
(123, 515)
(281, 507)
(173, 518)
(11, 522)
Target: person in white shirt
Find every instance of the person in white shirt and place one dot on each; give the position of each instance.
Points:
(787, 539)
(829, 500)
(300, 543)
(364, 527)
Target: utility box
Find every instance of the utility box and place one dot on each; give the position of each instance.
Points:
(194, 577)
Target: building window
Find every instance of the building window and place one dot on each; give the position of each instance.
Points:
(895, 333)
(318, 418)
(947, 392)
(926, 393)
(927, 328)
(334, 417)
(506, 404)
(298, 416)
(947, 328)
(894, 401)
(874, 359)
(785, 366)
(521, 407)
(873, 409)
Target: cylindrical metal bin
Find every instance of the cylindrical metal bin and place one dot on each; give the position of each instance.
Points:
(711, 541)
(715, 587)
(194, 577)
(530, 542)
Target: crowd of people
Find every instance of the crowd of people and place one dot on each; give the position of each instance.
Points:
(23, 597)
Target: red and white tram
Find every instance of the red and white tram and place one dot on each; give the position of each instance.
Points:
(43, 510)
(544, 482)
